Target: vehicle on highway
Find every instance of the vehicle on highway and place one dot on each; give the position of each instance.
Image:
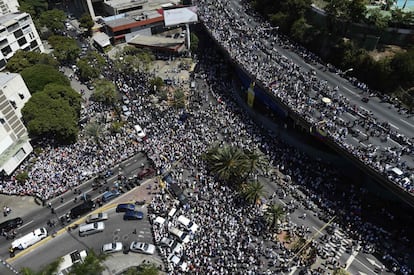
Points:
(124, 207)
(146, 173)
(29, 239)
(102, 216)
(81, 209)
(109, 195)
(189, 225)
(365, 99)
(11, 224)
(69, 260)
(167, 242)
(112, 247)
(133, 215)
(175, 261)
(91, 228)
(140, 247)
(180, 235)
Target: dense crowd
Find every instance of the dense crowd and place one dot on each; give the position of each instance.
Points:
(231, 237)
(301, 91)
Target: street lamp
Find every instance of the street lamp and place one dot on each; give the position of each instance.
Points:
(347, 71)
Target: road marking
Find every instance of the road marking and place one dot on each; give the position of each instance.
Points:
(396, 143)
(317, 230)
(26, 224)
(71, 201)
(373, 272)
(392, 125)
(364, 109)
(406, 122)
(352, 257)
(352, 92)
(293, 270)
(351, 115)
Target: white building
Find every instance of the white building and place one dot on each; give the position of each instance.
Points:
(8, 6)
(17, 32)
(14, 140)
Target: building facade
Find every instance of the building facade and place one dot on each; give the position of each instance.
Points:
(14, 140)
(8, 6)
(17, 32)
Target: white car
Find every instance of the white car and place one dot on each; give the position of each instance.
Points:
(112, 247)
(102, 216)
(180, 235)
(176, 262)
(167, 242)
(189, 225)
(139, 131)
(145, 248)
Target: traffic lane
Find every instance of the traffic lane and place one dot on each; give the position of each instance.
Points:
(367, 264)
(116, 230)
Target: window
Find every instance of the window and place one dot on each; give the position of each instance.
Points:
(21, 96)
(22, 41)
(18, 33)
(33, 44)
(13, 103)
(13, 27)
(2, 121)
(6, 50)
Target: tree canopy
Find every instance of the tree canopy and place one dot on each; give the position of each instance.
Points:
(105, 91)
(90, 66)
(24, 59)
(38, 76)
(53, 20)
(65, 49)
(86, 22)
(34, 7)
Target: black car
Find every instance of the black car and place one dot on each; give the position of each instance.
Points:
(82, 209)
(11, 224)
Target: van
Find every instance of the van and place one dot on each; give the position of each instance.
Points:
(189, 225)
(29, 239)
(91, 228)
(11, 224)
(81, 209)
(180, 235)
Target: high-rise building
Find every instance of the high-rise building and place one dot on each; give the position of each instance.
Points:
(8, 6)
(17, 32)
(14, 141)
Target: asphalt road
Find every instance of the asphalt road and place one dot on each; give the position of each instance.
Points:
(40, 217)
(116, 230)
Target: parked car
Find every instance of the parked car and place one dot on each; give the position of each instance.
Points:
(189, 225)
(81, 209)
(140, 247)
(145, 173)
(139, 131)
(112, 247)
(109, 195)
(133, 215)
(91, 228)
(177, 262)
(124, 207)
(11, 224)
(167, 242)
(180, 235)
(102, 216)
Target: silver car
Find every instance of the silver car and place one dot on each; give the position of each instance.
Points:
(145, 248)
(112, 247)
(102, 216)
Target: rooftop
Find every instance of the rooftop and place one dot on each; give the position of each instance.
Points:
(6, 77)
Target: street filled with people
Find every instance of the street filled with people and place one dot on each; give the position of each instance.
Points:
(251, 46)
(232, 237)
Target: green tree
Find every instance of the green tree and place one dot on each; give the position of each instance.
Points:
(134, 59)
(340, 271)
(147, 269)
(22, 177)
(86, 22)
(256, 161)
(47, 270)
(179, 99)
(299, 29)
(357, 11)
(94, 130)
(376, 18)
(228, 163)
(58, 91)
(50, 118)
(105, 91)
(23, 59)
(92, 265)
(156, 82)
(34, 7)
(253, 191)
(38, 76)
(194, 42)
(65, 49)
(402, 66)
(274, 214)
(53, 20)
(87, 71)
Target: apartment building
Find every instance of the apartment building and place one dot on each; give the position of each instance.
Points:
(8, 6)
(14, 140)
(17, 32)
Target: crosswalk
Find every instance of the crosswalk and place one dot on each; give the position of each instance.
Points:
(337, 244)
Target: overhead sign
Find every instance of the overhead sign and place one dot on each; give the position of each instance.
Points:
(179, 16)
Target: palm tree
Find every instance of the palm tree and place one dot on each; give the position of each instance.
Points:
(274, 213)
(94, 130)
(253, 191)
(227, 162)
(257, 161)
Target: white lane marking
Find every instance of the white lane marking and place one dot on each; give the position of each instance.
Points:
(364, 109)
(373, 272)
(392, 125)
(71, 200)
(352, 257)
(396, 143)
(351, 115)
(406, 122)
(26, 224)
(293, 270)
(356, 139)
(318, 230)
(352, 92)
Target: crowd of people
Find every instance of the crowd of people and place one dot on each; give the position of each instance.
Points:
(251, 46)
(231, 237)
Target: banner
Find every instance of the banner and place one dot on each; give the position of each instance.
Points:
(250, 95)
